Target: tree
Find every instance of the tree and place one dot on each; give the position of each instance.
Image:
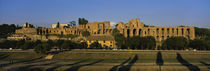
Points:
(199, 44)
(82, 21)
(7, 30)
(59, 43)
(27, 45)
(176, 43)
(51, 43)
(65, 45)
(85, 33)
(83, 45)
(58, 25)
(69, 45)
(202, 32)
(72, 23)
(133, 42)
(119, 38)
(149, 42)
(96, 45)
(137, 42)
(20, 43)
(42, 48)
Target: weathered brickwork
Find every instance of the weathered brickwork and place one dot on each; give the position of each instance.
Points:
(133, 28)
(136, 28)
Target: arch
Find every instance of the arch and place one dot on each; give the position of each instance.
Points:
(140, 30)
(134, 32)
(172, 30)
(182, 31)
(162, 31)
(177, 31)
(157, 30)
(188, 31)
(128, 32)
(167, 30)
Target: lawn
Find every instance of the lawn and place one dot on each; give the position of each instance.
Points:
(109, 60)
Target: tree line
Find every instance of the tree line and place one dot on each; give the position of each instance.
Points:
(42, 46)
(6, 29)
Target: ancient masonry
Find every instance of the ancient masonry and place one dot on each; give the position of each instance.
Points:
(136, 28)
(133, 28)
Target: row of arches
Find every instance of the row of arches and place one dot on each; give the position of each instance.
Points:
(158, 32)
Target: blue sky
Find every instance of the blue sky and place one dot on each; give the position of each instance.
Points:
(152, 12)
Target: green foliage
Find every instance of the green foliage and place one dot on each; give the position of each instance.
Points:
(82, 21)
(95, 45)
(6, 30)
(137, 42)
(83, 45)
(59, 43)
(72, 23)
(85, 33)
(175, 43)
(20, 43)
(8, 44)
(42, 48)
(51, 43)
(58, 25)
(148, 42)
(26, 45)
(199, 44)
(120, 39)
(69, 45)
(202, 32)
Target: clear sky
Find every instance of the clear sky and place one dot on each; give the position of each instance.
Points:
(153, 12)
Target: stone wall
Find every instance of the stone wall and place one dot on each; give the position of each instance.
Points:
(136, 28)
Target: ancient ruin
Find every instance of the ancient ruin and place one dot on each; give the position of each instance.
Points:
(133, 28)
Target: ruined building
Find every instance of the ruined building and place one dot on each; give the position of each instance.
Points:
(42, 33)
(133, 28)
(137, 28)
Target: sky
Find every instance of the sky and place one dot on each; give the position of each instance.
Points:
(166, 13)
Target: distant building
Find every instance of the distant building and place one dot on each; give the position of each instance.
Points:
(136, 28)
(100, 30)
(103, 40)
(60, 25)
(26, 25)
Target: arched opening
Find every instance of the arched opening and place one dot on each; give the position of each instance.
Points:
(177, 31)
(157, 30)
(162, 31)
(61, 32)
(134, 32)
(188, 31)
(128, 32)
(140, 31)
(182, 31)
(167, 30)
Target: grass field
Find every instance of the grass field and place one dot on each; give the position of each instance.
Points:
(108, 60)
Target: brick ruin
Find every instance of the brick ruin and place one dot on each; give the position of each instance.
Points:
(133, 28)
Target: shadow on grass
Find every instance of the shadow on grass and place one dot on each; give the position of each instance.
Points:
(76, 68)
(128, 67)
(122, 64)
(208, 65)
(28, 67)
(187, 64)
(11, 62)
(58, 66)
(159, 60)
(3, 56)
